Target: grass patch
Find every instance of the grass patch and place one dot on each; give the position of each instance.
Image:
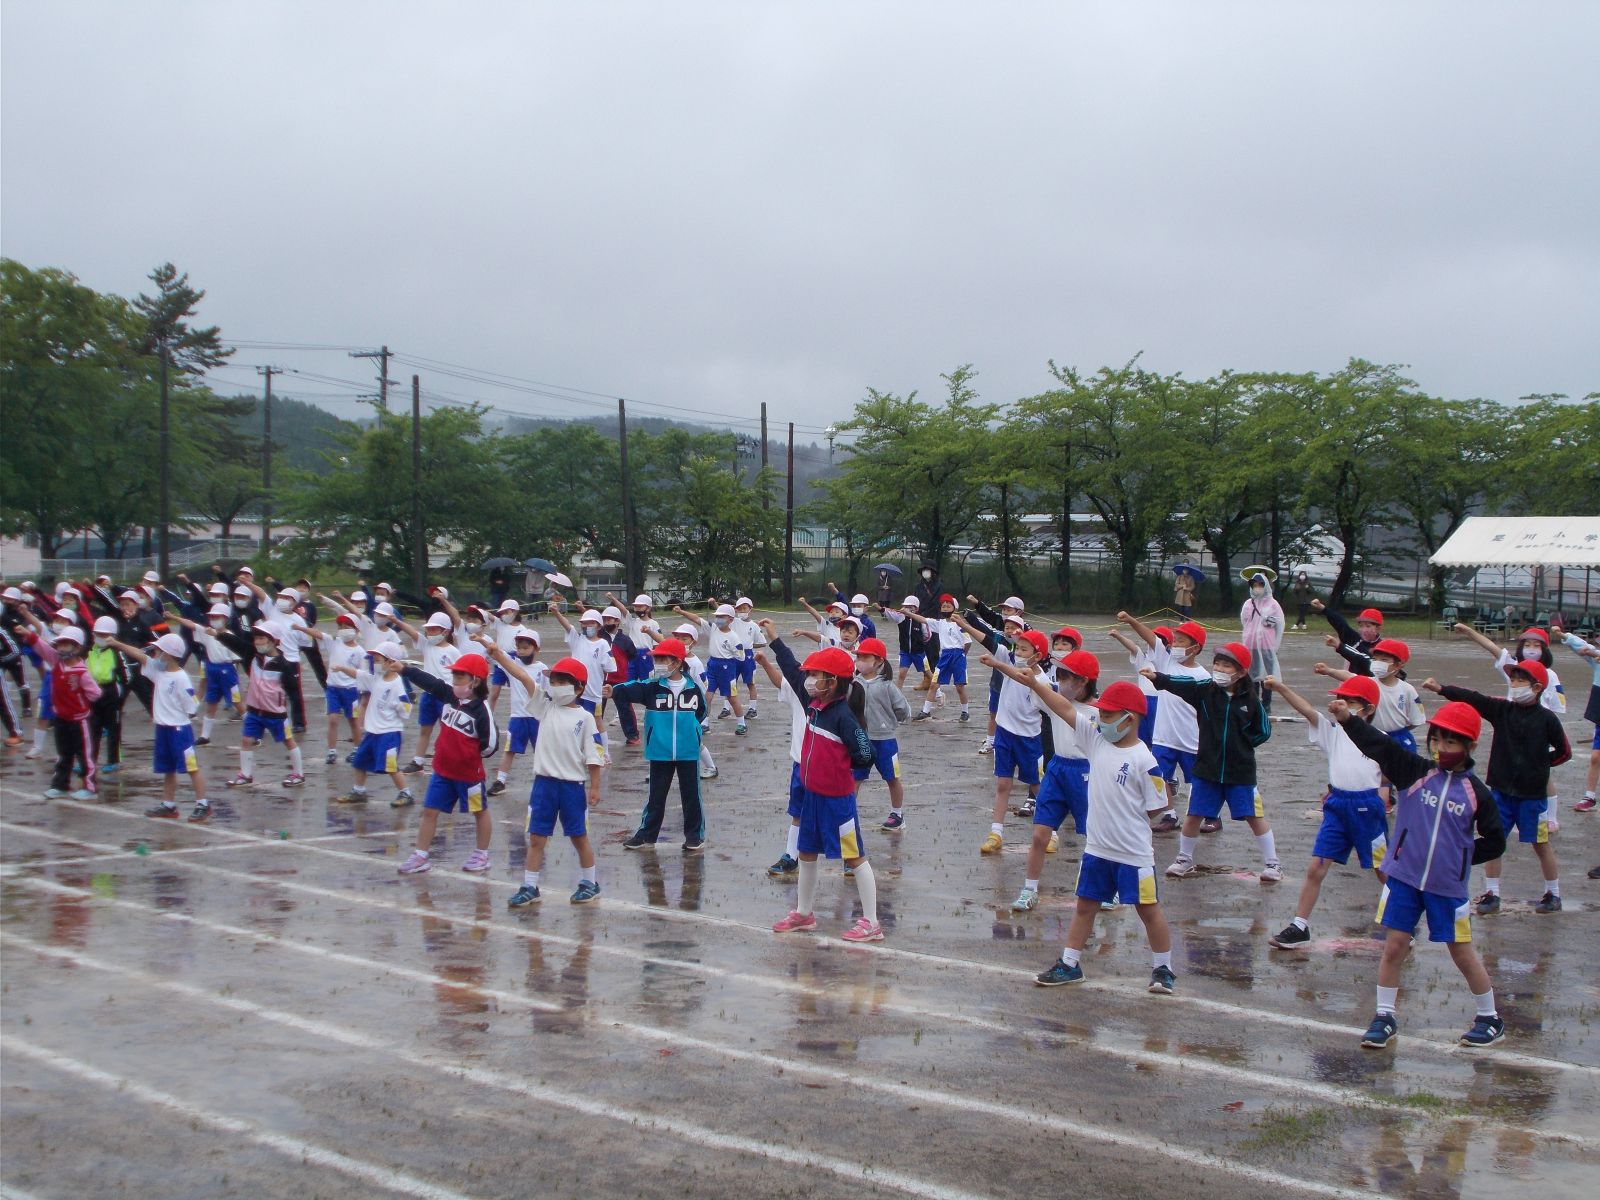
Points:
(1287, 1130)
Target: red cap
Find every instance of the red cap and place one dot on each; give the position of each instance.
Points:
(670, 648)
(1239, 652)
(1537, 635)
(1082, 663)
(1460, 718)
(1122, 696)
(1533, 669)
(1370, 614)
(572, 669)
(1068, 632)
(947, 598)
(1040, 643)
(1394, 648)
(471, 664)
(1165, 634)
(1194, 631)
(832, 661)
(346, 619)
(873, 647)
(1358, 687)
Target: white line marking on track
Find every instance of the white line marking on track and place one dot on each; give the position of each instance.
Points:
(304, 1152)
(10, 867)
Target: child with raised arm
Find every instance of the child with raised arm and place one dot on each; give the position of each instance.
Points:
(1017, 719)
(675, 713)
(344, 661)
(467, 736)
(1175, 739)
(1590, 652)
(1440, 804)
(886, 708)
(1353, 644)
(387, 706)
(73, 695)
(913, 639)
(1353, 815)
(172, 707)
(726, 655)
(522, 728)
(796, 703)
(222, 669)
(952, 643)
(436, 643)
(266, 704)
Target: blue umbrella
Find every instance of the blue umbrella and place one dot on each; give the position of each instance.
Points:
(539, 564)
(890, 568)
(1190, 570)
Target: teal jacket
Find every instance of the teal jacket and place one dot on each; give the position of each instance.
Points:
(673, 724)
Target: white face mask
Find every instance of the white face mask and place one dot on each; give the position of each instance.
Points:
(1189, 651)
(219, 622)
(591, 632)
(1380, 670)
(563, 693)
(57, 628)
(812, 685)
(102, 639)
(859, 610)
(1223, 679)
(723, 622)
(434, 638)
(474, 626)
(284, 605)
(347, 635)
(927, 574)
(1531, 652)
(1521, 693)
(1258, 591)
(241, 604)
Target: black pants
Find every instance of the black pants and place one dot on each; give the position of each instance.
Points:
(297, 701)
(313, 655)
(140, 688)
(72, 749)
(8, 714)
(105, 724)
(655, 809)
(24, 692)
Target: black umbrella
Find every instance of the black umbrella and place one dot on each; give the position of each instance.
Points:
(539, 564)
(492, 564)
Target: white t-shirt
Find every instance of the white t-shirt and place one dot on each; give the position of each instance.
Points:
(372, 634)
(1065, 733)
(436, 660)
(1348, 769)
(214, 650)
(798, 718)
(596, 657)
(387, 706)
(749, 633)
(951, 636)
(827, 633)
(1398, 708)
(727, 643)
(521, 698)
(1018, 708)
(336, 653)
(1139, 662)
(569, 739)
(173, 702)
(695, 668)
(1176, 725)
(1552, 697)
(1123, 788)
(505, 634)
(298, 638)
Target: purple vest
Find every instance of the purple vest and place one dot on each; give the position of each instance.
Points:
(1433, 834)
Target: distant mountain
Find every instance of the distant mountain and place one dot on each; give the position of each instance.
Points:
(302, 432)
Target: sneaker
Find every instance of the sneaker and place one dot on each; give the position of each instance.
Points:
(1270, 873)
(498, 786)
(239, 780)
(33, 754)
(202, 741)
(1594, 872)
(350, 759)
(411, 768)
(403, 799)
(938, 698)
(586, 891)
(863, 931)
(750, 713)
(167, 812)
(54, 793)
(795, 922)
(1161, 981)
(1109, 906)
(331, 757)
(351, 798)
(639, 842)
(200, 813)
(633, 741)
(416, 864)
(1027, 900)
(1169, 823)
(964, 717)
(1381, 1032)
(293, 780)
(740, 729)
(708, 772)
(893, 823)
(693, 845)
(1549, 904)
(1291, 938)
(725, 714)
(849, 872)
(477, 862)
(110, 768)
(1584, 805)
(991, 844)
(1181, 866)
(1210, 825)
(524, 895)
(986, 746)
(1488, 903)
(1485, 1031)
(1054, 843)
(1059, 974)
(1027, 807)
(86, 794)
(783, 867)
(921, 716)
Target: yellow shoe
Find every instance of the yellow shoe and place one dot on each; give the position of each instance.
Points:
(1055, 843)
(991, 844)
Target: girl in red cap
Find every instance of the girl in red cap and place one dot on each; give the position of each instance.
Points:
(675, 715)
(947, 634)
(467, 736)
(1354, 645)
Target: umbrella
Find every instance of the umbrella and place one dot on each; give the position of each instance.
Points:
(1194, 572)
(558, 578)
(1257, 569)
(540, 564)
(490, 564)
(890, 568)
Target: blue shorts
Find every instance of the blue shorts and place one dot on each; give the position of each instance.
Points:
(1147, 723)
(1401, 906)
(1353, 821)
(1016, 755)
(796, 792)
(47, 706)
(1206, 798)
(642, 667)
(1403, 737)
(885, 757)
(587, 705)
(953, 667)
(1596, 745)
(378, 753)
(429, 709)
(1524, 813)
(497, 676)
(552, 798)
(342, 701)
(446, 795)
(747, 669)
(1065, 793)
(174, 751)
(828, 826)
(1103, 880)
(919, 661)
(524, 733)
(222, 683)
(994, 698)
(255, 725)
(721, 675)
(1168, 760)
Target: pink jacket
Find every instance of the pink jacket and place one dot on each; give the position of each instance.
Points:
(1263, 623)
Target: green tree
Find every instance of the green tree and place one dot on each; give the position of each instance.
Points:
(568, 495)
(1555, 456)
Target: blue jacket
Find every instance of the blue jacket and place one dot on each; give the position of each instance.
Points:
(673, 722)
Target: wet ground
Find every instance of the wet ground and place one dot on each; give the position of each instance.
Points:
(263, 1007)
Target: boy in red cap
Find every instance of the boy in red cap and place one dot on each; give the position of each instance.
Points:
(1232, 723)
(885, 709)
(1528, 741)
(675, 714)
(1354, 645)
(944, 631)
(1175, 739)
(1352, 810)
(1440, 805)
(467, 736)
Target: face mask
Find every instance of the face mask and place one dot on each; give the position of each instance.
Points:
(643, 616)
(1071, 686)
(612, 629)
(1189, 651)
(463, 691)
(744, 614)
(859, 610)
(347, 635)
(813, 685)
(591, 632)
(284, 606)
(1531, 652)
(102, 639)
(474, 626)
(264, 649)
(1521, 693)
(1450, 760)
(1223, 679)
(526, 658)
(434, 638)
(1380, 670)
(563, 693)
(1258, 592)
(241, 604)
(662, 671)
(1112, 731)
(723, 622)
(144, 601)
(57, 628)
(219, 622)
(927, 574)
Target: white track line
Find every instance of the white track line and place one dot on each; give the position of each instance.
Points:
(12, 867)
(304, 1152)
(1020, 975)
(676, 1128)
(1329, 1093)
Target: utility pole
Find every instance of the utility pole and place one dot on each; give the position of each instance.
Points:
(382, 354)
(419, 556)
(631, 572)
(788, 528)
(266, 458)
(766, 503)
(165, 559)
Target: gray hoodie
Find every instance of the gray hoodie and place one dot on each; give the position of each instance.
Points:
(886, 706)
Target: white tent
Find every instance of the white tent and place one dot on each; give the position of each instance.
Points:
(1522, 542)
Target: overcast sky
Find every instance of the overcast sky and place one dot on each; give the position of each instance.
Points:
(708, 205)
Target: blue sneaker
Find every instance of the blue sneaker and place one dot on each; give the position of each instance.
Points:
(1059, 974)
(1161, 981)
(1381, 1032)
(586, 891)
(526, 894)
(54, 793)
(785, 866)
(1485, 1031)
(110, 768)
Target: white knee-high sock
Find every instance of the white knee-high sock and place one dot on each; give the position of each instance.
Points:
(808, 887)
(867, 886)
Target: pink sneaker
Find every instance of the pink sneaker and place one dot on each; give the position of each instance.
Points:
(477, 862)
(863, 931)
(795, 922)
(1584, 805)
(416, 864)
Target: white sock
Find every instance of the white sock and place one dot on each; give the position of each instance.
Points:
(867, 887)
(963, 708)
(808, 887)
(416, 759)
(359, 789)
(1031, 885)
(1485, 1004)
(1589, 795)
(1491, 885)
(247, 762)
(1301, 924)
(297, 761)
(899, 812)
(1186, 846)
(791, 846)
(927, 707)
(530, 879)
(422, 852)
(38, 740)
(589, 874)
(1161, 958)
(1069, 956)
(205, 726)
(997, 827)
(1269, 847)
(500, 776)
(1164, 813)
(1553, 886)
(705, 758)
(1387, 998)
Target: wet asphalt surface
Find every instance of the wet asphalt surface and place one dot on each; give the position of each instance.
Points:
(262, 1007)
